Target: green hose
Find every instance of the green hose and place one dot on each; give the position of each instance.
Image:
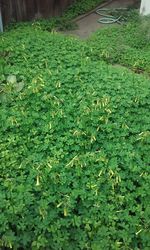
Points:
(109, 19)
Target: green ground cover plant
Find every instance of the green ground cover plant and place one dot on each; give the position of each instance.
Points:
(80, 7)
(128, 44)
(74, 147)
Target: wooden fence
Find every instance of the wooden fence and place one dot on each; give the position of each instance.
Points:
(22, 10)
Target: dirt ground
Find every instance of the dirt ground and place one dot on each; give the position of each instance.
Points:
(89, 24)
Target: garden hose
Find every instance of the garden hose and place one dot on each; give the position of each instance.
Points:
(109, 19)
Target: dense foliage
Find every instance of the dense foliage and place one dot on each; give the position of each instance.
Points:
(74, 143)
(128, 45)
(81, 6)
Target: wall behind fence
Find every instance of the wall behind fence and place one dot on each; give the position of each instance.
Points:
(22, 10)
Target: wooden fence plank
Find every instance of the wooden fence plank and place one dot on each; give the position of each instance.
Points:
(22, 10)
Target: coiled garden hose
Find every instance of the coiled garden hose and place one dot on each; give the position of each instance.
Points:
(109, 19)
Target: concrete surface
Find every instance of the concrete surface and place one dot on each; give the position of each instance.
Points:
(145, 7)
(89, 24)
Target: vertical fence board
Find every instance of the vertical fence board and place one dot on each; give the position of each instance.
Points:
(21, 10)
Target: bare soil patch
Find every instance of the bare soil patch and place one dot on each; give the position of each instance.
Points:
(89, 23)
